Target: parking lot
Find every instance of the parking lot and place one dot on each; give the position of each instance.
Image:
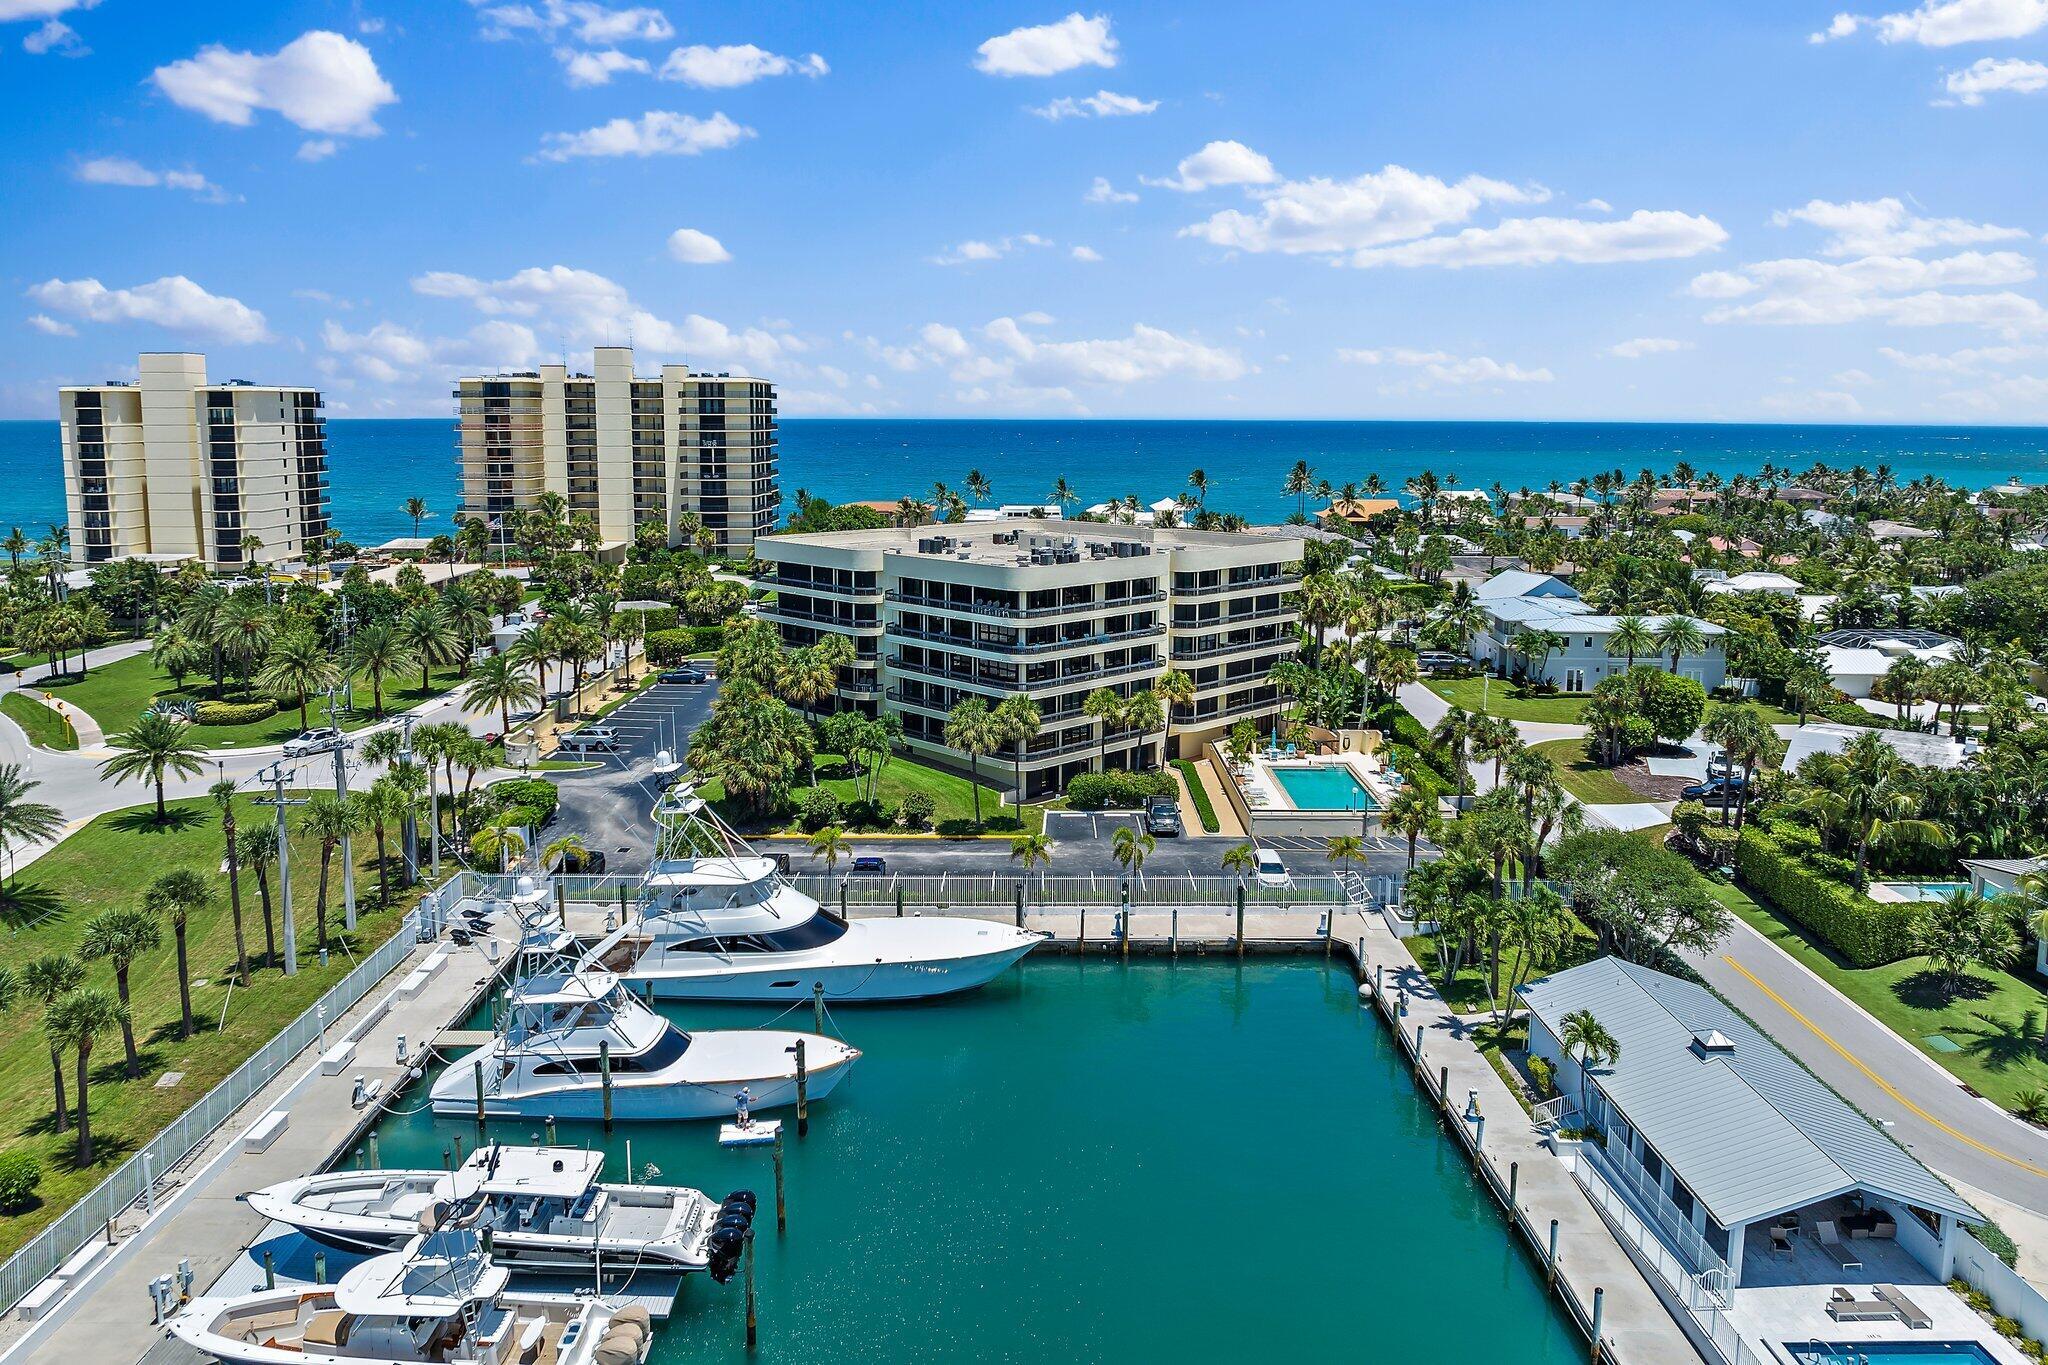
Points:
(608, 804)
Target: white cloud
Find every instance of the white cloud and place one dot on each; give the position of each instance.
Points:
(1883, 227)
(1218, 163)
(317, 149)
(1596, 206)
(132, 174)
(370, 27)
(657, 132)
(1899, 289)
(692, 247)
(1645, 235)
(592, 24)
(587, 69)
(1851, 379)
(1945, 23)
(1323, 216)
(1441, 367)
(974, 250)
(173, 302)
(1148, 353)
(1102, 192)
(389, 353)
(320, 81)
(1816, 403)
(943, 341)
(1048, 49)
(1971, 360)
(1085, 253)
(721, 68)
(54, 35)
(588, 307)
(1841, 26)
(44, 323)
(1991, 75)
(1101, 104)
(1638, 347)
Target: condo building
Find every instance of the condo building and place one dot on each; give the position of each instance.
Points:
(173, 467)
(624, 448)
(1053, 610)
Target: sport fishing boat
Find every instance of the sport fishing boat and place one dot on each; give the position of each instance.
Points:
(544, 1206)
(568, 1037)
(716, 921)
(443, 1299)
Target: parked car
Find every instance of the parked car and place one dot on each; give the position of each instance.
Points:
(595, 739)
(1437, 660)
(781, 861)
(688, 673)
(590, 864)
(1714, 792)
(1270, 871)
(869, 865)
(1162, 817)
(312, 742)
(1718, 765)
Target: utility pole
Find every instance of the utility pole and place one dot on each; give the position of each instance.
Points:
(344, 621)
(412, 824)
(348, 862)
(275, 776)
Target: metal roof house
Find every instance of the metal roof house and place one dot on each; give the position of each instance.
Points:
(1744, 1165)
(1518, 600)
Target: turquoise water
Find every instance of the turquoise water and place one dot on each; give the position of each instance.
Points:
(1932, 891)
(1891, 1353)
(378, 463)
(1326, 786)
(1092, 1162)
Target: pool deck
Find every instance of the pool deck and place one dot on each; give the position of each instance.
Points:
(1636, 1328)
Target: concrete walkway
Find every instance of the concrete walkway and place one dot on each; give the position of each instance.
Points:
(1636, 1326)
(107, 1318)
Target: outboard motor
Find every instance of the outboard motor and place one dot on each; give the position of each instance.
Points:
(729, 1235)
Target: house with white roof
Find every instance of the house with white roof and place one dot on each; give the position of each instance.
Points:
(1855, 659)
(1764, 1208)
(1518, 600)
(1758, 580)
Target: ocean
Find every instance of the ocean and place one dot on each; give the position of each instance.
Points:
(377, 464)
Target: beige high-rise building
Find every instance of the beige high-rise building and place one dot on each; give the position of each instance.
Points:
(170, 465)
(624, 448)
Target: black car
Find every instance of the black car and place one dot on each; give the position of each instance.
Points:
(869, 864)
(587, 864)
(1720, 791)
(689, 673)
(1162, 818)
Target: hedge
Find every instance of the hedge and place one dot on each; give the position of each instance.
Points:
(526, 801)
(1198, 794)
(1117, 790)
(1867, 933)
(233, 712)
(680, 642)
(653, 618)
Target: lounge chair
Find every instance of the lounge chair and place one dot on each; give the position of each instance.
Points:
(1910, 1313)
(1846, 1307)
(1836, 1247)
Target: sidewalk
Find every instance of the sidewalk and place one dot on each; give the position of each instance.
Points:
(198, 1216)
(1636, 1326)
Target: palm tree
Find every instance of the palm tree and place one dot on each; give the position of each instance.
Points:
(22, 820)
(1198, 484)
(498, 842)
(1679, 636)
(1452, 733)
(1032, 850)
(1412, 812)
(1106, 707)
(1808, 690)
(1242, 859)
(156, 745)
(425, 632)
(1345, 848)
(296, 667)
(377, 650)
(242, 630)
(1586, 1040)
(1063, 493)
(121, 935)
(223, 794)
(330, 819)
(416, 508)
(1631, 638)
(1176, 690)
(175, 895)
(560, 850)
(972, 730)
(1144, 714)
(500, 683)
(1495, 737)
(16, 544)
(76, 1021)
(49, 978)
(1131, 847)
(830, 844)
(1867, 793)
(1300, 481)
(1018, 718)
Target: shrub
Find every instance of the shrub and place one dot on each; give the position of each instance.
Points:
(654, 618)
(1116, 790)
(234, 712)
(1543, 1073)
(20, 1174)
(1199, 794)
(817, 808)
(1868, 933)
(916, 810)
(1998, 1244)
(527, 801)
(676, 643)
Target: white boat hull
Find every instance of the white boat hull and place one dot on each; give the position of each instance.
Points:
(876, 960)
(658, 1098)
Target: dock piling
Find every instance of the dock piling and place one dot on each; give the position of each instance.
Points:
(751, 1320)
(458, 1150)
(1443, 1083)
(1550, 1259)
(269, 1271)
(781, 1205)
(818, 1006)
(1514, 1179)
(375, 1162)
(1019, 898)
(477, 1070)
(1599, 1302)
(1240, 920)
(604, 1072)
(803, 1093)
(319, 1267)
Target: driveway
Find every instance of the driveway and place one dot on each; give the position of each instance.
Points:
(610, 804)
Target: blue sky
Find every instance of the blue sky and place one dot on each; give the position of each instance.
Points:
(1746, 211)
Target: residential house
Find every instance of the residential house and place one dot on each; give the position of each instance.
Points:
(1359, 512)
(1757, 580)
(1856, 659)
(1518, 600)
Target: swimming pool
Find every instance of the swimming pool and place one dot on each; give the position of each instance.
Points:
(1930, 891)
(1889, 1353)
(1324, 786)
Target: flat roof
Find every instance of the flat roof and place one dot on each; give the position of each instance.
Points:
(1750, 1131)
(532, 1172)
(1010, 543)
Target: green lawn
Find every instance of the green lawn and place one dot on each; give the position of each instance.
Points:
(953, 800)
(115, 694)
(1591, 782)
(42, 725)
(1471, 991)
(107, 864)
(1507, 699)
(1996, 1021)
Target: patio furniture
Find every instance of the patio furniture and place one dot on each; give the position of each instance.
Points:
(1846, 1307)
(1835, 1247)
(1870, 1223)
(1781, 1240)
(1910, 1313)
(1789, 1221)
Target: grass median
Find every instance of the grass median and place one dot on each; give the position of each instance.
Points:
(43, 726)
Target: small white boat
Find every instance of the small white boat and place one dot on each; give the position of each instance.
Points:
(544, 1206)
(716, 921)
(564, 1032)
(441, 1300)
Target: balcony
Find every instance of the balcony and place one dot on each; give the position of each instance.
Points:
(777, 611)
(1194, 651)
(1288, 580)
(1219, 622)
(783, 585)
(1019, 646)
(1100, 606)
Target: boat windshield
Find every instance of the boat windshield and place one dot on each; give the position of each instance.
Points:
(667, 1049)
(815, 932)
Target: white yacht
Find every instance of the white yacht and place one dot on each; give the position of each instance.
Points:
(716, 921)
(564, 1030)
(544, 1206)
(443, 1299)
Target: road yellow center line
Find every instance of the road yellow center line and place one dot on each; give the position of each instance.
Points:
(1880, 1081)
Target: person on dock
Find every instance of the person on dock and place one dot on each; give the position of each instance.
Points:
(745, 1101)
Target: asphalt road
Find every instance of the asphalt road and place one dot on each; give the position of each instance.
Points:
(608, 804)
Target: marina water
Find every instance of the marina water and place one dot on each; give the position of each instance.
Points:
(1095, 1162)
